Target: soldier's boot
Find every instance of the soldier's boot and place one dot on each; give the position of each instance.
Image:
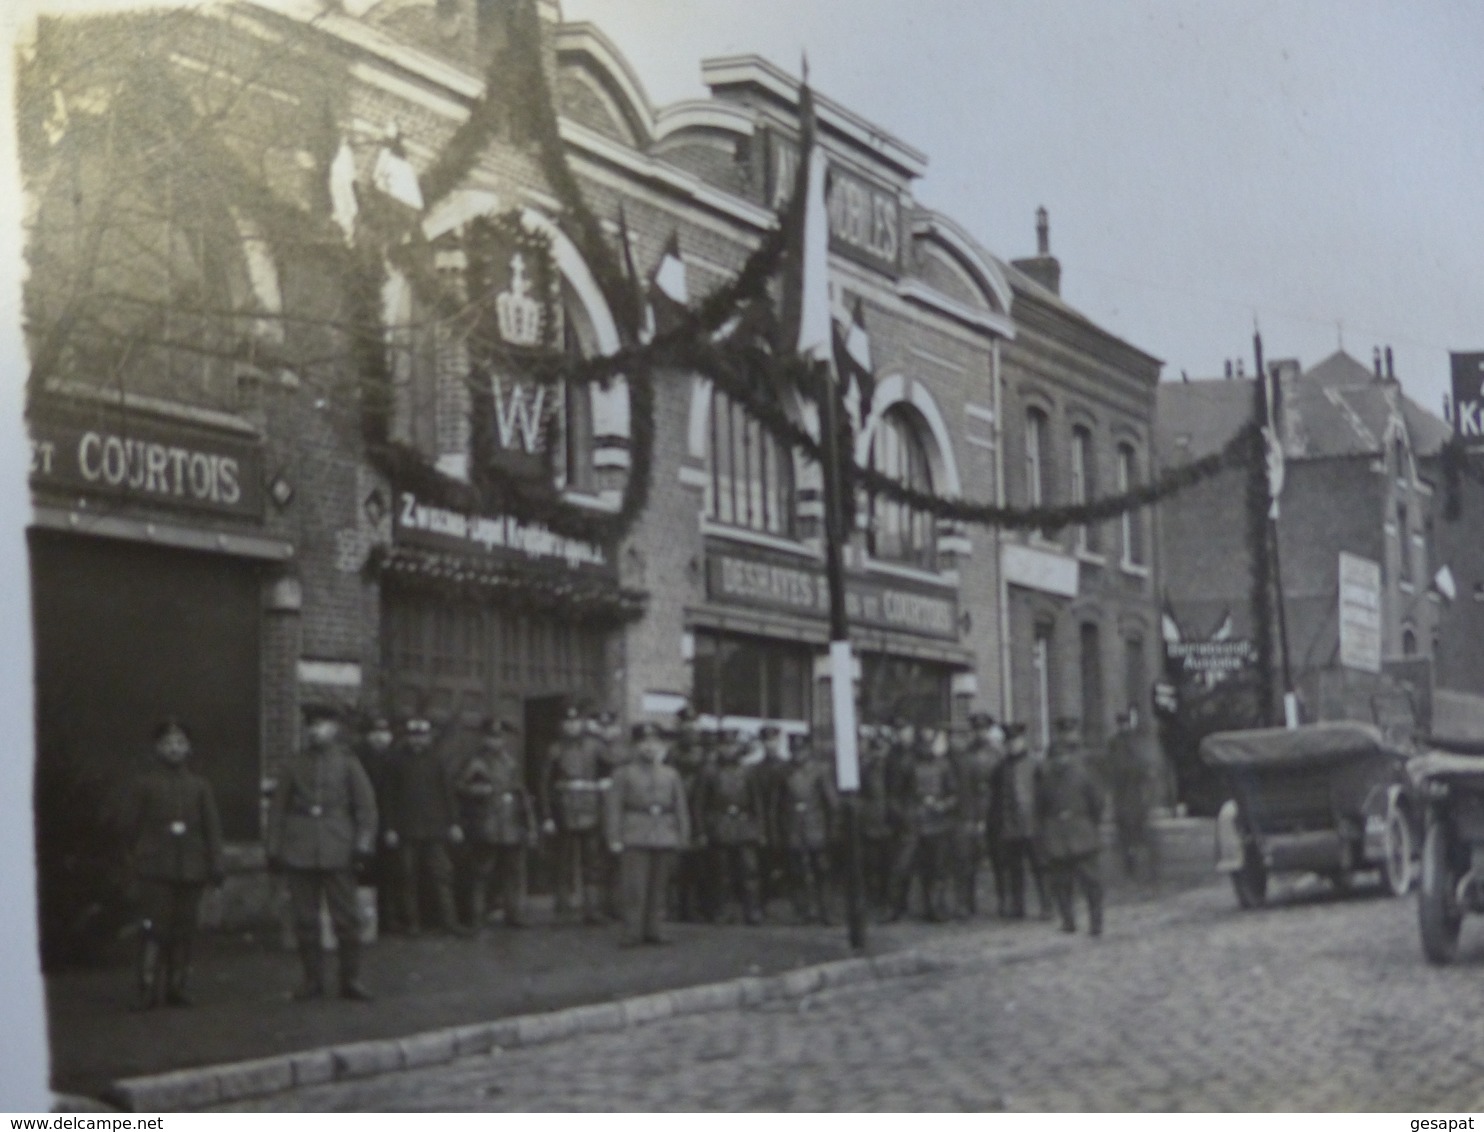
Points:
(590, 911)
(351, 986)
(821, 903)
(312, 959)
(178, 973)
(1095, 911)
(148, 974)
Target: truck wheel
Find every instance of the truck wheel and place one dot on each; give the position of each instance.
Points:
(1397, 869)
(1437, 916)
(1250, 882)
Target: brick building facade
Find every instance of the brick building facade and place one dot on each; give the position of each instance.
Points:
(326, 576)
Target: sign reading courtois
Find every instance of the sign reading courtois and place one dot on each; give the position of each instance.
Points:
(165, 463)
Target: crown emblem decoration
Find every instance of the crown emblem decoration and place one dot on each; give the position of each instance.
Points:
(519, 315)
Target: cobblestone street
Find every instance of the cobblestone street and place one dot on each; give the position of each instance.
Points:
(1186, 1004)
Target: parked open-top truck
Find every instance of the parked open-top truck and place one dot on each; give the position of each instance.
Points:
(1449, 780)
(1327, 798)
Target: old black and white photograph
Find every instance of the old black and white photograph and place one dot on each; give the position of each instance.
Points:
(681, 556)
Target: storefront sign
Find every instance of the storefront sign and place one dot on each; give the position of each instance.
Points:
(762, 583)
(1049, 571)
(1360, 613)
(152, 460)
(417, 523)
(1212, 657)
(865, 217)
(1468, 398)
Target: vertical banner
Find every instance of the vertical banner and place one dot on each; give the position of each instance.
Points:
(1468, 398)
(842, 698)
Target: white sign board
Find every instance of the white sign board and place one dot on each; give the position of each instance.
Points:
(1360, 613)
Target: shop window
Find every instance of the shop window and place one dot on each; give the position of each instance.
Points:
(751, 481)
(751, 677)
(895, 687)
(1132, 520)
(1083, 483)
(900, 532)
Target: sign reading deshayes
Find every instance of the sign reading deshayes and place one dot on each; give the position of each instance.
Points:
(734, 579)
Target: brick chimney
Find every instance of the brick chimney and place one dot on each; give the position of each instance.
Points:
(1045, 269)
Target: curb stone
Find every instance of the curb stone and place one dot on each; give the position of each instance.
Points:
(187, 1089)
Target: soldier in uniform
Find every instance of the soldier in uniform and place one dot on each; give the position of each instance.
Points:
(929, 803)
(499, 823)
(423, 821)
(322, 817)
(875, 816)
(733, 813)
(689, 756)
(1130, 787)
(177, 849)
(1069, 806)
(1012, 816)
(807, 804)
(771, 767)
(571, 802)
(649, 821)
(379, 758)
(974, 764)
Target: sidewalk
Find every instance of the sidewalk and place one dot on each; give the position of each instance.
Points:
(241, 984)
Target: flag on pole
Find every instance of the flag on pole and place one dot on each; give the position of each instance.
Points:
(343, 204)
(1272, 395)
(669, 290)
(852, 352)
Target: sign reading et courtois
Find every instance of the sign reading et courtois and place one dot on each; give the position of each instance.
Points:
(155, 461)
(418, 523)
(761, 583)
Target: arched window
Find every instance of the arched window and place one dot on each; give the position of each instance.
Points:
(1037, 452)
(1083, 482)
(751, 481)
(1409, 642)
(1133, 519)
(900, 533)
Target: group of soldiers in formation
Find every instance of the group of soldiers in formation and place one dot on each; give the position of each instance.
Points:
(681, 823)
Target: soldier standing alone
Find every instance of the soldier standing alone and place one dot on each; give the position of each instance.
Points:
(1069, 806)
(177, 850)
(323, 816)
(571, 801)
(649, 821)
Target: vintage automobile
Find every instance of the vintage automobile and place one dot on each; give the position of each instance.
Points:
(1449, 780)
(1328, 798)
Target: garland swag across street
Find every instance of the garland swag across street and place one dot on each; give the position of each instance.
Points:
(730, 336)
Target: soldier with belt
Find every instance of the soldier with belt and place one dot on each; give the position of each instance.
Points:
(1069, 807)
(807, 805)
(379, 755)
(499, 823)
(648, 821)
(732, 807)
(571, 802)
(929, 802)
(322, 817)
(974, 764)
(422, 822)
(177, 849)
(690, 756)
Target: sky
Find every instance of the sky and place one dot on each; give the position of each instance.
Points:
(1314, 166)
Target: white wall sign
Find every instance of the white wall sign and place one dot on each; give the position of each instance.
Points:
(1360, 613)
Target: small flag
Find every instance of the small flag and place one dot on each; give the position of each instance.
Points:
(852, 349)
(1443, 582)
(394, 175)
(669, 291)
(343, 204)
